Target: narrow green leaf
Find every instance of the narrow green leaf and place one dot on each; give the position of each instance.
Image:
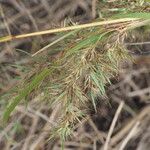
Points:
(93, 101)
(25, 92)
(99, 84)
(84, 43)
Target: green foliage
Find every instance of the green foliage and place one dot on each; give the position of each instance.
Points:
(25, 92)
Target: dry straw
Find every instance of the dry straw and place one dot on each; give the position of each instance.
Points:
(63, 29)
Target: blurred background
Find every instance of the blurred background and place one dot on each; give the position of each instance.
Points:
(29, 127)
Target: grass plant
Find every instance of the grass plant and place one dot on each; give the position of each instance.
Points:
(86, 58)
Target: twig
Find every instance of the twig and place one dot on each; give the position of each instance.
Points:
(139, 92)
(78, 145)
(42, 116)
(106, 146)
(94, 8)
(30, 134)
(129, 136)
(5, 21)
(129, 125)
(138, 43)
(99, 135)
(40, 141)
(126, 107)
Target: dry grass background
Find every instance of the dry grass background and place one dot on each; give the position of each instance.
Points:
(122, 121)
